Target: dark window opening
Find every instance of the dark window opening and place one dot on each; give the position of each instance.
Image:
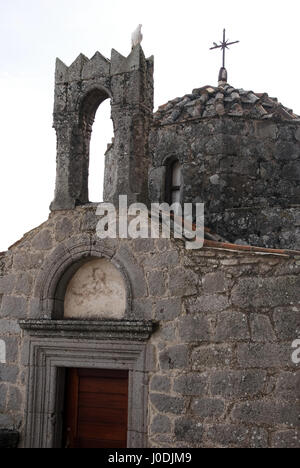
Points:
(174, 183)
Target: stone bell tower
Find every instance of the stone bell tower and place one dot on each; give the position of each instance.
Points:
(79, 91)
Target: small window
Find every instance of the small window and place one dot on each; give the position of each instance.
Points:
(174, 183)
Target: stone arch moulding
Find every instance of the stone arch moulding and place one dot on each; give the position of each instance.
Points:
(94, 94)
(61, 265)
(86, 108)
(56, 345)
(171, 159)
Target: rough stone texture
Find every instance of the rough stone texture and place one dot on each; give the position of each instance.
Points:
(211, 408)
(215, 303)
(288, 385)
(191, 384)
(214, 283)
(168, 309)
(160, 425)
(14, 399)
(238, 384)
(212, 356)
(209, 100)
(167, 404)
(219, 363)
(175, 357)
(286, 439)
(156, 281)
(160, 383)
(232, 436)
(287, 322)
(261, 328)
(264, 355)
(268, 412)
(232, 326)
(13, 307)
(43, 240)
(194, 329)
(3, 393)
(63, 228)
(273, 292)
(8, 374)
(188, 430)
(222, 373)
(79, 91)
(244, 164)
(182, 282)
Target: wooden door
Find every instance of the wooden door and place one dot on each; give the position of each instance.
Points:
(96, 409)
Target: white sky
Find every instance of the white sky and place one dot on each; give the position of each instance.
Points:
(178, 33)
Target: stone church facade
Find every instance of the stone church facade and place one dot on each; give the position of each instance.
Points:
(202, 337)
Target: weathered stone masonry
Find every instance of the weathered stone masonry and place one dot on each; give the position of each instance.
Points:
(79, 90)
(222, 373)
(207, 334)
(242, 161)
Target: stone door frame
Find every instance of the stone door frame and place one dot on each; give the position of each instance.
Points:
(57, 345)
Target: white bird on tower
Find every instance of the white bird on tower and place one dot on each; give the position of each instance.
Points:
(137, 36)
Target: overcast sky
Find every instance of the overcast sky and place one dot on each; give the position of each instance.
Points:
(178, 33)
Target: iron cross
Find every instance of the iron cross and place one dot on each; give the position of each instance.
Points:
(223, 45)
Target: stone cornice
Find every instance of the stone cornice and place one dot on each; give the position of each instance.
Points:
(83, 329)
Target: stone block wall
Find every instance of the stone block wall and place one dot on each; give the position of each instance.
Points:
(246, 171)
(79, 91)
(222, 374)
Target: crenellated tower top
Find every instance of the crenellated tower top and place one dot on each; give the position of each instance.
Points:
(79, 91)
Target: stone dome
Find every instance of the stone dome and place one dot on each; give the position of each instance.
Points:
(240, 156)
(210, 101)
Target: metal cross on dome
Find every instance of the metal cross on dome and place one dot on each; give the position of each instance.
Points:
(224, 45)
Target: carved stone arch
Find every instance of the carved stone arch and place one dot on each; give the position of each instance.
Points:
(89, 101)
(62, 264)
(87, 105)
(129, 82)
(56, 345)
